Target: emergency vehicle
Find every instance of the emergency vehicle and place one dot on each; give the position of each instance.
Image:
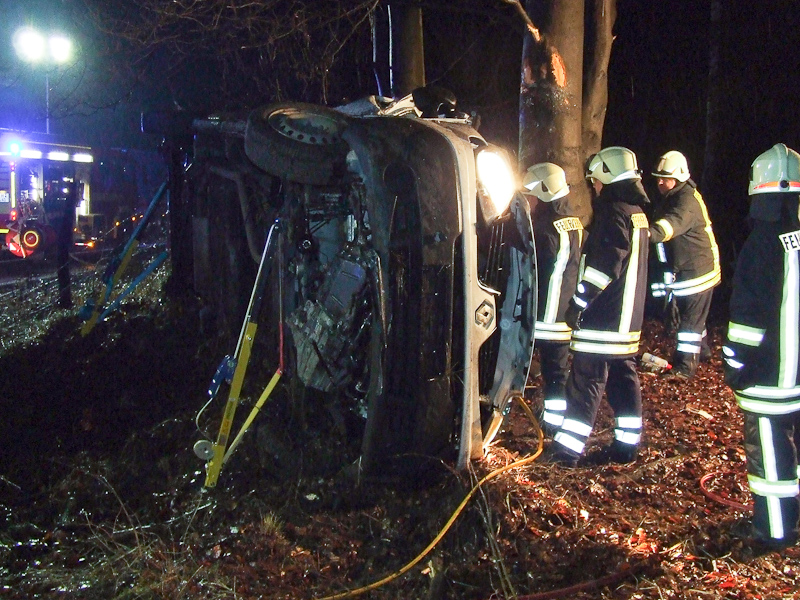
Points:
(33, 171)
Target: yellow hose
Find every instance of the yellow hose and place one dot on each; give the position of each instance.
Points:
(523, 461)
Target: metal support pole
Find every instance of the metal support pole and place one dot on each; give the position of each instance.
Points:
(47, 101)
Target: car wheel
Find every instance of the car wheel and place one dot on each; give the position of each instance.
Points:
(298, 142)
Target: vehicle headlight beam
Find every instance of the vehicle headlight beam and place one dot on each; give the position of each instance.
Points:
(496, 182)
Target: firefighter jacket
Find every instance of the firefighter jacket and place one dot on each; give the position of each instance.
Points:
(559, 240)
(682, 225)
(762, 351)
(613, 287)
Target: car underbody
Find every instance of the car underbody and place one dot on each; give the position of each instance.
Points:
(396, 292)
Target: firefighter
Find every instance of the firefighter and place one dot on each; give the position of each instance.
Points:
(684, 241)
(559, 238)
(762, 350)
(59, 201)
(606, 313)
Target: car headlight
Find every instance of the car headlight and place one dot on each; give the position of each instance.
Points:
(496, 182)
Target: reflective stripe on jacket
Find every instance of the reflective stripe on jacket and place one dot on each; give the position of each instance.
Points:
(682, 224)
(559, 240)
(613, 286)
(762, 350)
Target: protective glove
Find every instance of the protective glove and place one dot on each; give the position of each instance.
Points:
(735, 369)
(573, 316)
(733, 377)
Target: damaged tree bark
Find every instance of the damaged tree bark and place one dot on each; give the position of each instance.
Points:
(562, 109)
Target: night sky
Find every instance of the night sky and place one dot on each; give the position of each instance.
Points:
(22, 87)
(659, 72)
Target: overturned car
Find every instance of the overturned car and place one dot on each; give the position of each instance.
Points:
(402, 265)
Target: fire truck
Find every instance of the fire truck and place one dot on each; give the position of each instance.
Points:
(37, 176)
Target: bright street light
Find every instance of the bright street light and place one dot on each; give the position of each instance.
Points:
(60, 49)
(33, 47)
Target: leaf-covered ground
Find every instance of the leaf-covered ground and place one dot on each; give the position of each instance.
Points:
(102, 497)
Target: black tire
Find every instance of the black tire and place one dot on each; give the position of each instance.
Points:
(296, 141)
(31, 238)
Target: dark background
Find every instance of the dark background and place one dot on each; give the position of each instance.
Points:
(658, 81)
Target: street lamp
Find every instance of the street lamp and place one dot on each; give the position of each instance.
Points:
(33, 47)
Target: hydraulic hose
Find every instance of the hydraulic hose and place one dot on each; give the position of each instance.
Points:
(519, 463)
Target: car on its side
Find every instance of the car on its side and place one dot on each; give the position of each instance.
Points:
(405, 262)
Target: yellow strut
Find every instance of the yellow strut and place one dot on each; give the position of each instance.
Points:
(264, 395)
(215, 464)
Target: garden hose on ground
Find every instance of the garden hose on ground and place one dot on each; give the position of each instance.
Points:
(721, 499)
(519, 463)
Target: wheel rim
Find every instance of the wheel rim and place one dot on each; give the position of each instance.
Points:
(31, 239)
(306, 127)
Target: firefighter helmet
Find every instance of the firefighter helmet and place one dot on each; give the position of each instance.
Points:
(546, 181)
(612, 164)
(776, 170)
(672, 165)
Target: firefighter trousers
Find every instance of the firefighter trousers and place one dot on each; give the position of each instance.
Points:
(771, 445)
(692, 316)
(592, 375)
(554, 358)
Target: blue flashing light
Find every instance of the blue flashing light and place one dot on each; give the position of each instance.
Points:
(15, 148)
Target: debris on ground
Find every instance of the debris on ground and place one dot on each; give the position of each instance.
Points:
(102, 497)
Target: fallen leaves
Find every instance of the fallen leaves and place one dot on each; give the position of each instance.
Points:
(640, 544)
(290, 535)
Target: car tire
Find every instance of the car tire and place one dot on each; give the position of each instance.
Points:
(296, 141)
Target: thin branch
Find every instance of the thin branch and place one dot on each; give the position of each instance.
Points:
(532, 29)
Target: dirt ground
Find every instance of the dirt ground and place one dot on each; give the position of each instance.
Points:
(101, 495)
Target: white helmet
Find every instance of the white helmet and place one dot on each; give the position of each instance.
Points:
(672, 165)
(612, 164)
(546, 181)
(776, 170)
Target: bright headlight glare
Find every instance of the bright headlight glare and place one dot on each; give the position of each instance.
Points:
(495, 182)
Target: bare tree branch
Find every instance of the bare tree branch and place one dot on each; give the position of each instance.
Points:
(250, 52)
(532, 29)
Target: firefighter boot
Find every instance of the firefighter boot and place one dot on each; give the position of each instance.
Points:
(757, 542)
(617, 453)
(556, 454)
(684, 366)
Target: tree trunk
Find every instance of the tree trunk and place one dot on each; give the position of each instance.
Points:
(551, 96)
(715, 183)
(180, 221)
(541, 92)
(595, 93)
(713, 101)
(410, 53)
(566, 32)
(64, 243)
(381, 60)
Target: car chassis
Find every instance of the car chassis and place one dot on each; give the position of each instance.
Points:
(404, 288)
